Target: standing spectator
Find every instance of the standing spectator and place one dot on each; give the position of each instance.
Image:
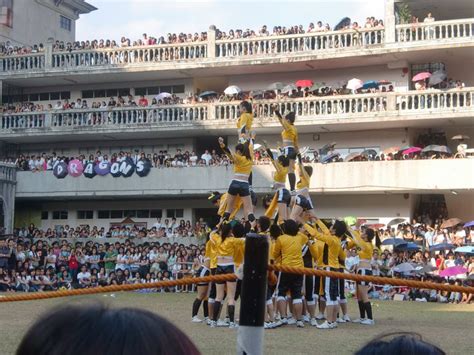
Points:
(5, 253)
(143, 102)
(206, 157)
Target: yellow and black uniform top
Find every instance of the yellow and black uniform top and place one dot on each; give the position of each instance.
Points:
(365, 249)
(288, 248)
(226, 247)
(317, 247)
(334, 250)
(211, 253)
(223, 206)
(281, 172)
(304, 178)
(242, 165)
(244, 123)
(239, 251)
(289, 134)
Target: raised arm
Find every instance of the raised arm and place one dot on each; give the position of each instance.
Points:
(270, 155)
(316, 234)
(225, 149)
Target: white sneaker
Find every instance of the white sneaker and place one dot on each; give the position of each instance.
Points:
(281, 322)
(233, 325)
(291, 321)
(325, 325)
(300, 324)
(367, 321)
(320, 316)
(333, 325)
(358, 320)
(213, 324)
(196, 319)
(346, 318)
(340, 320)
(222, 323)
(227, 320)
(306, 318)
(313, 322)
(208, 321)
(269, 325)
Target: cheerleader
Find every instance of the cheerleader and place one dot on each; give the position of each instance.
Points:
(302, 201)
(245, 121)
(290, 143)
(220, 201)
(203, 287)
(225, 245)
(310, 254)
(282, 197)
(366, 250)
(239, 186)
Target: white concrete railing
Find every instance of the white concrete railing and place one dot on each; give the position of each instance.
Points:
(7, 172)
(327, 107)
(23, 62)
(437, 30)
(130, 55)
(299, 43)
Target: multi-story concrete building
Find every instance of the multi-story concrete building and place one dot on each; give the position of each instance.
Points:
(375, 190)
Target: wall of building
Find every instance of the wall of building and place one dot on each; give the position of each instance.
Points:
(34, 23)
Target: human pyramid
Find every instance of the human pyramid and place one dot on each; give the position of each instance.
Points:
(297, 238)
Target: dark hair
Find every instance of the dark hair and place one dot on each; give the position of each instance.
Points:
(238, 230)
(378, 242)
(308, 169)
(247, 105)
(126, 331)
(244, 148)
(291, 227)
(339, 228)
(264, 223)
(404, 343)
(284, 160)
(226, 228)
(275, 231)
(370, 233)
(290, 116)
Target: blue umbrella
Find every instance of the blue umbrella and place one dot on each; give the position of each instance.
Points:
(468, 249)
(441, 246)
(408, 247)
(208, 93)
(329, 158)
(394, 241)
(371, 84)
(469, 224)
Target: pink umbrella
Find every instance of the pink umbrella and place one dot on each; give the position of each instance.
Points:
(305, 83)
(453, 271)
(354, 84)
(75, 168)
(421, 76)
(412, 150)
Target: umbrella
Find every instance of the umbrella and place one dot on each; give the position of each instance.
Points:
(468, 249)
(428, 268)
(441, 246)
(75, 168)
(404, 267)
(232, 90)
(350, 220)
(384, 82)
(391, 150)
(408, 247)
(326, 148)
(375, 225)
(450, 223)
(371, 84)
(289, 88)
(351, 156)
(304, 83)
(354, 84)
(460, 137)
(453, 271)
(394, 241)
(395, 221)
(437, 77)
(437, 149)
(421, 76)
(369, 152)
(412, 150)
(329, 158)
(257, 93)
(469, 224)
(162, 95)
(346, 21)
(208, 94)
(276, 86)
(315, 87)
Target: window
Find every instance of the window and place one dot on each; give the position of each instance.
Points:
(178, 89)
(99, 93)
(60, 214)
(429, 67)
(143, 213)
(6, 13)
(156, 213)
(130, 213)
(85, 214)
(44, 215)
(176, 213)
(140, 91)
(65, 23)
(116, 214)
(111, 92)
(33, 97)
(55, 96)
(44, 96)
(123, 92)
(104, 214)
(88, 94)
(179, 213)
(65, 95)
(153, 90)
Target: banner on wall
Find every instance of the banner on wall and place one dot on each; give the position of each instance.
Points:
(126, 168)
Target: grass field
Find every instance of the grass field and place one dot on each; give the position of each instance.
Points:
(449, 326)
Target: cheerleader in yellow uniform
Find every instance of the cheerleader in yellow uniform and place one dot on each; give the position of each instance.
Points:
(203, 288)
(302, 201)
(245, 121)
(239, 186)
(220, 201)
(289, 136)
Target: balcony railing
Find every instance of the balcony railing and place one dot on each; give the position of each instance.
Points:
(269, 46)
(438, 30)
(7, 173)
(225, 113)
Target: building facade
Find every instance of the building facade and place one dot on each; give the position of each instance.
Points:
(374, 190)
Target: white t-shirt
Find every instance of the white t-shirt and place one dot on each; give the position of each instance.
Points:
(83, 275)
(206, 157)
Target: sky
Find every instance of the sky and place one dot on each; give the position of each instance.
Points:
(132, 18)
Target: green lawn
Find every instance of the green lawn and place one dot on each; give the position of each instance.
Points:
(448, 326)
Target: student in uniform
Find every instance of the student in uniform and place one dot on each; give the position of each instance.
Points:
(331, 258)
(220, 201)
(289, 136)
(288, 247)
(302, 201)
(225, 246)
(211, 251)
(239, 186)
(245, 121)
(203, 288)
(320, 250)
(309, 252)
(274, 232)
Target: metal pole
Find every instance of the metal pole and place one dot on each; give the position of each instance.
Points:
(254, 289)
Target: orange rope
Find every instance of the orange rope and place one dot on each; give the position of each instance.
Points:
(115, 288)
(373, 279)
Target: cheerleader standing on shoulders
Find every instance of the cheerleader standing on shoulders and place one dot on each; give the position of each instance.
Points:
(239, 186)
(245, 122)
(202, 288)
(302, 200)
(225, 246)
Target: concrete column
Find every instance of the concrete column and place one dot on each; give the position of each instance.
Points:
(389, 21)
(1, 92)
(48, 54)
(211, 42)
(8, 189)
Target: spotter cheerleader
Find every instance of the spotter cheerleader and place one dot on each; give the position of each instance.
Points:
(203, 288)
